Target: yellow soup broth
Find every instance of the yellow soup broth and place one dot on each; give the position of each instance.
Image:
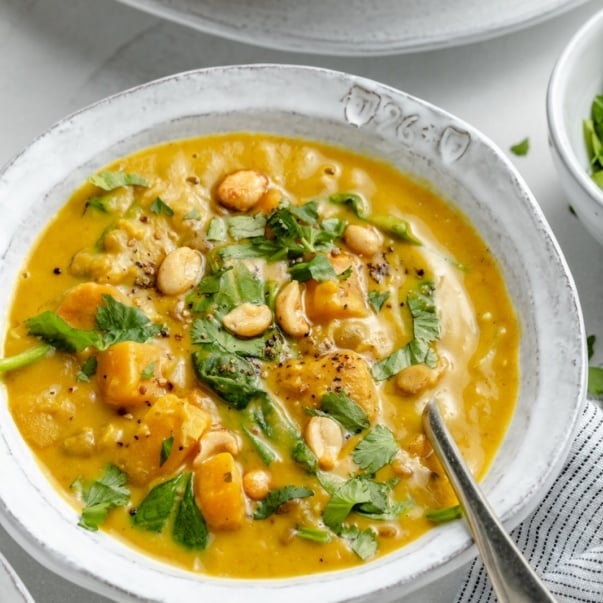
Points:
(309, 301)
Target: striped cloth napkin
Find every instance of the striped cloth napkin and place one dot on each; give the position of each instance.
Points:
(563, 538)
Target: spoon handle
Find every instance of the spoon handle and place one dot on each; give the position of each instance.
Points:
(513, 579)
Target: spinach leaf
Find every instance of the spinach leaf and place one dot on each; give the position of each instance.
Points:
(154, 511)
(278, 497)
(190, 529)
(166, 450)
(52, 329)
(339, 406)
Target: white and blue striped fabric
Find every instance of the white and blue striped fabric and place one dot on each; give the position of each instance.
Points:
(563, 538)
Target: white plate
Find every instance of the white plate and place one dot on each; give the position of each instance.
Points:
(12, 590)
(356, 27)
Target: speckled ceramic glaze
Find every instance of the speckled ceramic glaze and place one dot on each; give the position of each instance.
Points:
(576, 79)
(356, 27)
(367, 117)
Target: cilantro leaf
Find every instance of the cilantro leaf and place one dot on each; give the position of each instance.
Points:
(98, 203)
(216, 231)
(231, 377)
(148, 371)
(376, 450)
(376, 300)
(166, 450)
(521, 148)
(278, 497)
(363, 543)
(52, 329)
(159, 206)
(123, 323)
(339, 406)
(190, 529)
(595, 381)
(318, 268)
(302, 454)
(88, 369)
(156, 508)
(109, 180)
(245, 227)
(101, 496)
(445, 514)
(426, 330)
(208, 330)
(193, 214)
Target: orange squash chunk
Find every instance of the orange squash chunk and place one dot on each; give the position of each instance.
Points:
(337, 299)
(169, 417)
(120, 373)
(219, 492)
(79, 306)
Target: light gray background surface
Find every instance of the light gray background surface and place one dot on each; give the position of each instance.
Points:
(57, 56)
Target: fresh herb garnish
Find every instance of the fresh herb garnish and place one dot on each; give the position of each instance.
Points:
(88, 369)
(246, 227)
(159, 206)
(362, 542)
(396, 227)
(98, 203)
(24, 358)
(115, 323)
(190, 529)
(593, 137)
(101, 496)
(313, 534)
(109, 181)
(376, 299)
(148, 371)
(426, 330)
(595, 381)
(278, 497)
(376, 449)
(445, 514)
(216, 230)
(154, 511)
(521, 148)
(318, 268)
(193, 214)
(339, 406)
(166, 450)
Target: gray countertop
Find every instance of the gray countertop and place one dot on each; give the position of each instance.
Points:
(59, 55)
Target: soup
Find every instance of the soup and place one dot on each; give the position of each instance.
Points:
(220, 349)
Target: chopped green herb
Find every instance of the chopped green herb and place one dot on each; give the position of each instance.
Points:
(216, 231)
(264, 451)
(426, 330)
(24, 358)
(208, 330)
(593, 137)
(595, 381)
(166, 450)
(246, 227)
(278, 497)
(339, 406)
(101, 496)
(521, 148)
(193, 214)
(318, 268)
(190, 529)
(444, 515)
(154, 511)
(88, 369)
(148, 371)
(161, 207)
(590, 345)
(302, 454)
(376, 449)
(98, 203)
(376, 300)
(363, 543)
(52, 329)
(313, 534)
(109, 181)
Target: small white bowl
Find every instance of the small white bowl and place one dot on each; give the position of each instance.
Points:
(358, 114)
(576, 79)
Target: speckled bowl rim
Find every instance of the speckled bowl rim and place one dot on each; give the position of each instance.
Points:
(556, 91)
(375, 579)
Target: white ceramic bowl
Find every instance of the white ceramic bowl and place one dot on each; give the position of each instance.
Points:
(361, 115)
(576, 79)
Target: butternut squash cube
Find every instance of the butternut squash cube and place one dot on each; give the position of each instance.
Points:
(79, 306)
(344, 298)
(170, 419)
(121, 373)
(219, 492)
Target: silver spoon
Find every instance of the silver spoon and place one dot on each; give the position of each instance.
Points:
(514, 581)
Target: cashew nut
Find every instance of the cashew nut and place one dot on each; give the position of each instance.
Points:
(364, 240)
(289, 311)
(242, 190)
(180, 270)
(324, 437)
(248, 320)
(215, 441)
(256, 484)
